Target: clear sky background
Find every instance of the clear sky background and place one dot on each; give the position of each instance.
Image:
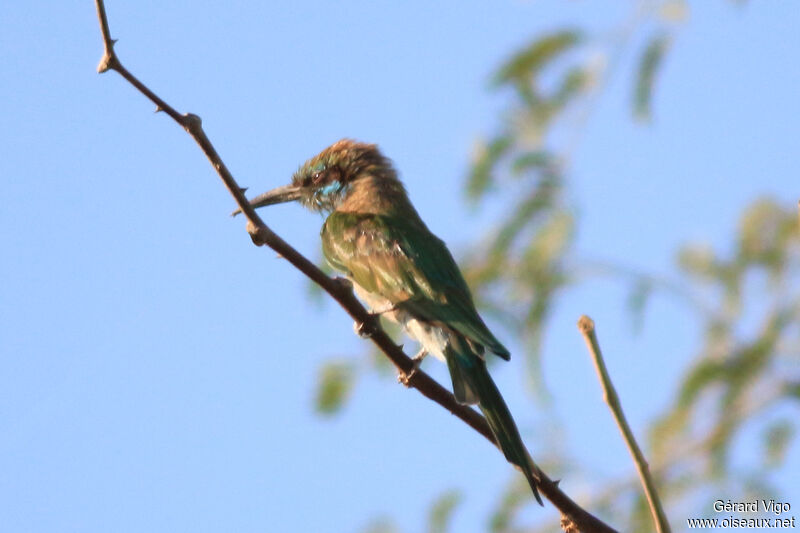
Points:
(157, 370)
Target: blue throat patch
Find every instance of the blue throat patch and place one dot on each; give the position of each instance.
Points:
(328, 197)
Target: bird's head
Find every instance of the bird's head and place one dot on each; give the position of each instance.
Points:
(323, 182)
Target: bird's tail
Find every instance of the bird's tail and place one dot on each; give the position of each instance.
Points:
(472, 377)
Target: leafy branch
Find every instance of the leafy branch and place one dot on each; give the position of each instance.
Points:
(527, 259)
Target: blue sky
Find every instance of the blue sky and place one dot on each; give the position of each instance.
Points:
(157, 370)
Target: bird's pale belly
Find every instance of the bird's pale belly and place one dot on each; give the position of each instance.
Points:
(432, 338)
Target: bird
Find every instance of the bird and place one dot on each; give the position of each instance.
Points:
(375, 237)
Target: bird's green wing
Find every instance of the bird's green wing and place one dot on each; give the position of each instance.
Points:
(401, 260)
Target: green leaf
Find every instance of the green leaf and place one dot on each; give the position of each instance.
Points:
(792, 390)
(573, 83)
(704, 373)
(637, 300)
(514, 498)
(536, 159)
(765, 230)
(442, 511)
(334, 387)
(698, 260)
(666, 430)
(534, 206)
(674, 11)
(641, 518)
(485, 159)
(381, 525)
(649, 63)
(548, 245)
(777, 438)
(526, 63)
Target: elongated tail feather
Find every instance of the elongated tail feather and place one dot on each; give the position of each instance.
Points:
(472, 383)
(462, 390)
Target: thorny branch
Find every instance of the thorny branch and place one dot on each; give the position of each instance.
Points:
(572, 514)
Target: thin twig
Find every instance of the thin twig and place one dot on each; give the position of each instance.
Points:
(262, 235)
(586, 327)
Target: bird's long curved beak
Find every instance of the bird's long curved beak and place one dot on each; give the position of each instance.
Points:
(278, 195)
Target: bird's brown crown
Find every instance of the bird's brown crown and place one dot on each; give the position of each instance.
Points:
(350, 176)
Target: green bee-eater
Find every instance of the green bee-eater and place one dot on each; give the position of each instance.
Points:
(375, 237)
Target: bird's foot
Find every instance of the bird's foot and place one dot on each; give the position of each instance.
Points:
(391, 308)
(416, 361)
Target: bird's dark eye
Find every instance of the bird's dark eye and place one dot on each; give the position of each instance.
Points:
(316, 177)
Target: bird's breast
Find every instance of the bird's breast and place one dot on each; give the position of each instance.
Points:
(432, 338)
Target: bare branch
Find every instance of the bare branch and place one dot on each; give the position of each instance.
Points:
(586, 327)
(262, 235)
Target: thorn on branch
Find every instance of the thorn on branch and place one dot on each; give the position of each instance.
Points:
(366, 328)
